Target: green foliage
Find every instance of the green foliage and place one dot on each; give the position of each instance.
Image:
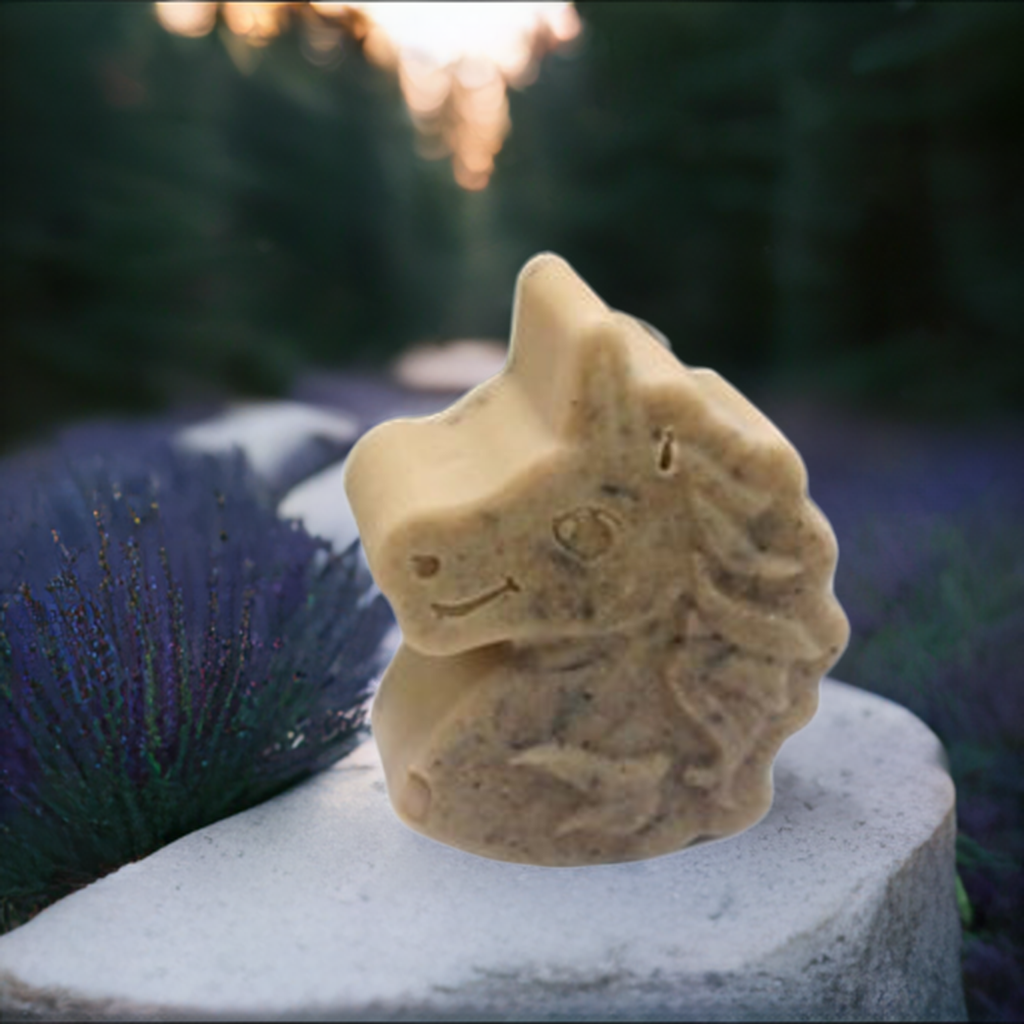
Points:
(963, 904)
(117, 292)
(943, 638)
(815, 196)
(174, 229)
(821, 195)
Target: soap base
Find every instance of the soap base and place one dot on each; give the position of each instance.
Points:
(548, 756)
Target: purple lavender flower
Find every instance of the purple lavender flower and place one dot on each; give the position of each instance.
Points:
(171, 652)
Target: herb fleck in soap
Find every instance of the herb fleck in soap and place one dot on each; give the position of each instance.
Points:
(614, 591)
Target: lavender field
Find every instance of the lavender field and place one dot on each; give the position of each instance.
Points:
(931, 574)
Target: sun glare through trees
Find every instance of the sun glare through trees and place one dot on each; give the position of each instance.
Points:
(454, 61)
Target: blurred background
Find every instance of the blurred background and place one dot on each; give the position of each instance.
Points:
(207, 200)
(824, 202)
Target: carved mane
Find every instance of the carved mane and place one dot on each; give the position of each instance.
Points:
(763, 624)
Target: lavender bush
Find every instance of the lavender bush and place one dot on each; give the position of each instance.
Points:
(170, 653)
(937, 608)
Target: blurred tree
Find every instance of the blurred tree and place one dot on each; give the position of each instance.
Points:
(183, 219)
(356, 233)
(811, 196)
(116, 187)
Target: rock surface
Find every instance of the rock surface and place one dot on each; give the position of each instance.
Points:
(320, 503)
(453, 367)
(319, 904)
(284, 441)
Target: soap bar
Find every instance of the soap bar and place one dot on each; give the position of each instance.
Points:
(614, 592)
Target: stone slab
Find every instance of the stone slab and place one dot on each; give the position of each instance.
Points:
(319, 904)
(320, 503)
(284, 441)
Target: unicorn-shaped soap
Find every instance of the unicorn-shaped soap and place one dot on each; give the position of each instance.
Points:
(614, 591)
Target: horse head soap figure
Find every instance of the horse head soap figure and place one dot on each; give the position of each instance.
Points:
(614, 592)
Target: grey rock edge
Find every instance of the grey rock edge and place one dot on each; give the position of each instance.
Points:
(284, 441)
(281, 440)
(319, 904)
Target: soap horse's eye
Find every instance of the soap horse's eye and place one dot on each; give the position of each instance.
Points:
(585, 532)
(425, 566)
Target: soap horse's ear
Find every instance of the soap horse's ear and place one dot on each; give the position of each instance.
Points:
(569, 350)
(602, 405)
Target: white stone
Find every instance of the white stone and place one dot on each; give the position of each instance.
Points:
(453, 366)
(321, 505)
(270, 433)
(273, 433)
(319, 904)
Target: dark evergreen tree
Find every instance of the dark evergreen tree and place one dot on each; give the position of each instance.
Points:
(805, 195)
(819, 196)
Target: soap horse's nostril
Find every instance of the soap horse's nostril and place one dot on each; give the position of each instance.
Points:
(425, 566)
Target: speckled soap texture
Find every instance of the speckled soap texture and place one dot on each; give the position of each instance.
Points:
(614, 590)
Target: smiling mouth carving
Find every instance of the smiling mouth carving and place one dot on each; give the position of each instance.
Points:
(461, 608)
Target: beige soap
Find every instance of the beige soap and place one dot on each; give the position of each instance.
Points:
(614, 591)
